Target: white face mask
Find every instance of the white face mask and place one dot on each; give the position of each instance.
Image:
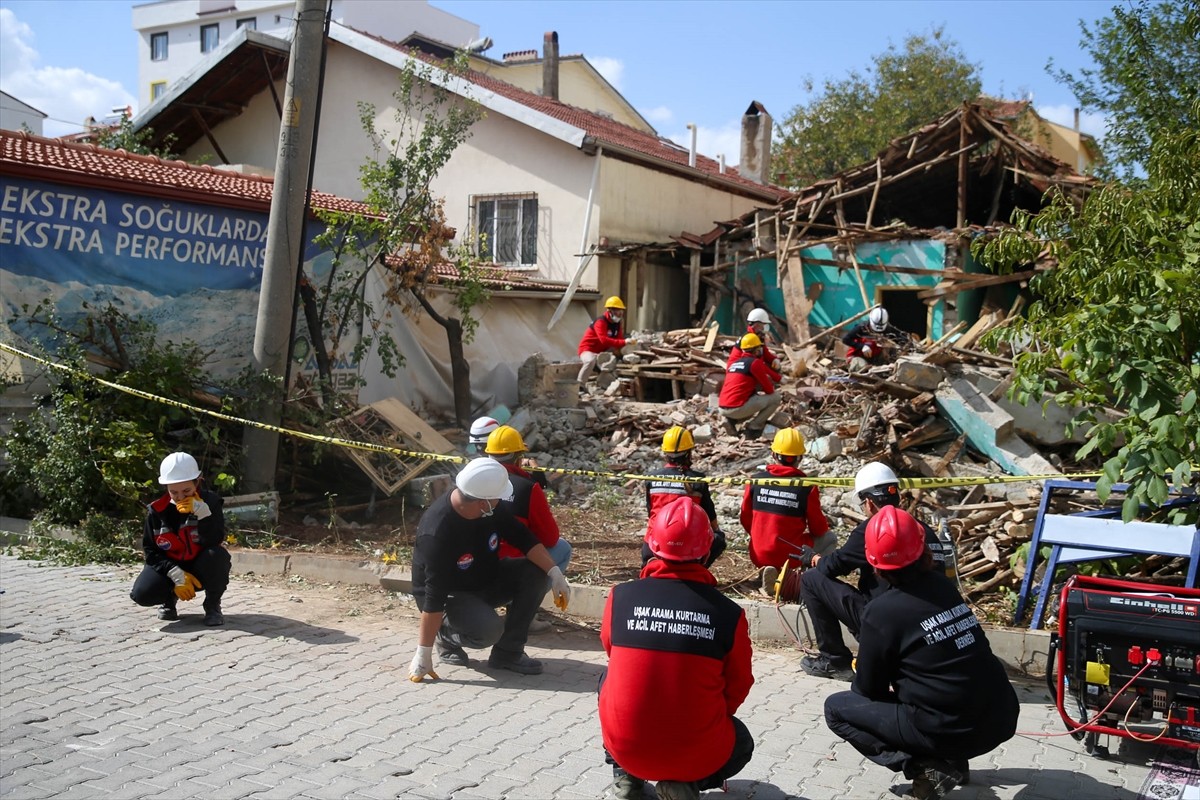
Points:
(491, 509)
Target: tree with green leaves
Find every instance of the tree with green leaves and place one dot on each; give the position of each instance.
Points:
(1114, 329)
(123, 136)
(404, 239)
(852, 119)
(1146, 70)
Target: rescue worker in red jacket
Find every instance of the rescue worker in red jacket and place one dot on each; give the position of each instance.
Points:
(748, 393)
(607, 332)
(866, 341)
(677, 447)
(928, 693)
(678, 668)
(782, 520)
(183, 542)
(758, 322)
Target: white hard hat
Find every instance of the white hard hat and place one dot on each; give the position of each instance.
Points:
(759, 315)
(872, 475)
(878, 319)
(480, 429)
(177, 468)
(485, 479)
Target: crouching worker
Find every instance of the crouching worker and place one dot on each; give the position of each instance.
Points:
(928, 693)
(459, 578)
(182, 542)
(678, 668)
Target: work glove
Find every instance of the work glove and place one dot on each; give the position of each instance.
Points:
(775, 365)
(185, 583)
(422, 665)
(559, 588)
(807, 554)
(631, 342)
(200, 509)
(867, 351)
(184, 506)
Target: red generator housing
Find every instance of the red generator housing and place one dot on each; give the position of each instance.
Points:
(1126, 661)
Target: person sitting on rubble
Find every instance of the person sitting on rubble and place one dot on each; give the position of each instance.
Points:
(677, 447)
(867, 341)
(459, 579)
(928, 692)
(679, 667)
(528, 504)
(748, 394)
(782, 520)
(606, 333)
(758, 322)
(832, 602)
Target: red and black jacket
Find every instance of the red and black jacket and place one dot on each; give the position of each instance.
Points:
(781, 519)
(530, 506)
(743, 379)
(602, 335)
(170, 538)
(678, 669)
(768, 357)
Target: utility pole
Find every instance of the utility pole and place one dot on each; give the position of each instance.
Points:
(285, 234)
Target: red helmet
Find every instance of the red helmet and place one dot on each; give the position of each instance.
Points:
(894, 539)
(680, 531)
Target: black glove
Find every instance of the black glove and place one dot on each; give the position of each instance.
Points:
(807, 554)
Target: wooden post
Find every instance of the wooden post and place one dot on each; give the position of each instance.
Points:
(875, 192)
(962, 168)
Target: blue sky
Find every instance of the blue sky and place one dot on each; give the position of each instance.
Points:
(676, 61)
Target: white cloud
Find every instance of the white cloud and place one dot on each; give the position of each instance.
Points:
(659, 115)
(68, 95)
(613, 69)
(1089, 122)
(712, 142)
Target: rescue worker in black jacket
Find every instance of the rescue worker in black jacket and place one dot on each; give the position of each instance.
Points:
(677, 447)
(928, 693)
(832, 602)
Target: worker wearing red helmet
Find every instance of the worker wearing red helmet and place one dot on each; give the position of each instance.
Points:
(678, 668)
(748, 394)
(928, 693)
(782, 520)
(607, 332)
(758, 322)
(832, 602)
(678, 444)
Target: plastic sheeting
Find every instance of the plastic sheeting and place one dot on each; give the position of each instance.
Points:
(511, 329)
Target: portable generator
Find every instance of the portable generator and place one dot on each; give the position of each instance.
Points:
(1126, 661)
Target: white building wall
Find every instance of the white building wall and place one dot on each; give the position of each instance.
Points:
(16, 115)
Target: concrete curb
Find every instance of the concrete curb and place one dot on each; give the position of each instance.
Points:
(1022, 651)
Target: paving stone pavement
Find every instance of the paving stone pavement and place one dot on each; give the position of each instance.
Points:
(102, 700)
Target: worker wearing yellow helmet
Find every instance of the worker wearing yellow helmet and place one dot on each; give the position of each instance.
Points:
(758, 322)
(748, 394)
(677, 447)
(607, 332)
(782, 520)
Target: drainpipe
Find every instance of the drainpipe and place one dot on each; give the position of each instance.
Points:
(692, 151)
(584, 257)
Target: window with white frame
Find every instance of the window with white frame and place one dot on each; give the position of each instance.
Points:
(506, 228)
(158, 46)
(210, 37)
(248, 22)
(157, 90)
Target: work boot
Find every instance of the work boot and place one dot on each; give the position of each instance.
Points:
(213, 616)
(730, 427)
(624, 786)
(961, 766)
(677, 790)
(450, 653)
(823, 667)
(769, 576)
(934, 778)
(540, 625)
(752, 434)
(167, 612)
(522, 664)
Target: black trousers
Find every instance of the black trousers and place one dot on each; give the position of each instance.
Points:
(211, 568)
(471, 619)
(743, 750)
(830, 604)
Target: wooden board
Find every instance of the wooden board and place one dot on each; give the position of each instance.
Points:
(390, 423)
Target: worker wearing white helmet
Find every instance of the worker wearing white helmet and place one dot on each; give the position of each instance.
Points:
(832, 602)
(758, 322)
(480, 430)
(183, 543)
(866, 341)
(459, 578)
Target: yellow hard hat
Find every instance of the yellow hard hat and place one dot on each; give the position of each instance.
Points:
(677, 439)
(504, 440)
(614, 302)
(789, 442)
(750, 341)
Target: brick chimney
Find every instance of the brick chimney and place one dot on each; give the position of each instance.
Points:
(550, 66)
(755, 163)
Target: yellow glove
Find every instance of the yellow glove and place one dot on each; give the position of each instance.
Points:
(185, 583)
(184, 506)
(559, 588)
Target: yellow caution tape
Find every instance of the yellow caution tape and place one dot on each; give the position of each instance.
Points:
(905, 483)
